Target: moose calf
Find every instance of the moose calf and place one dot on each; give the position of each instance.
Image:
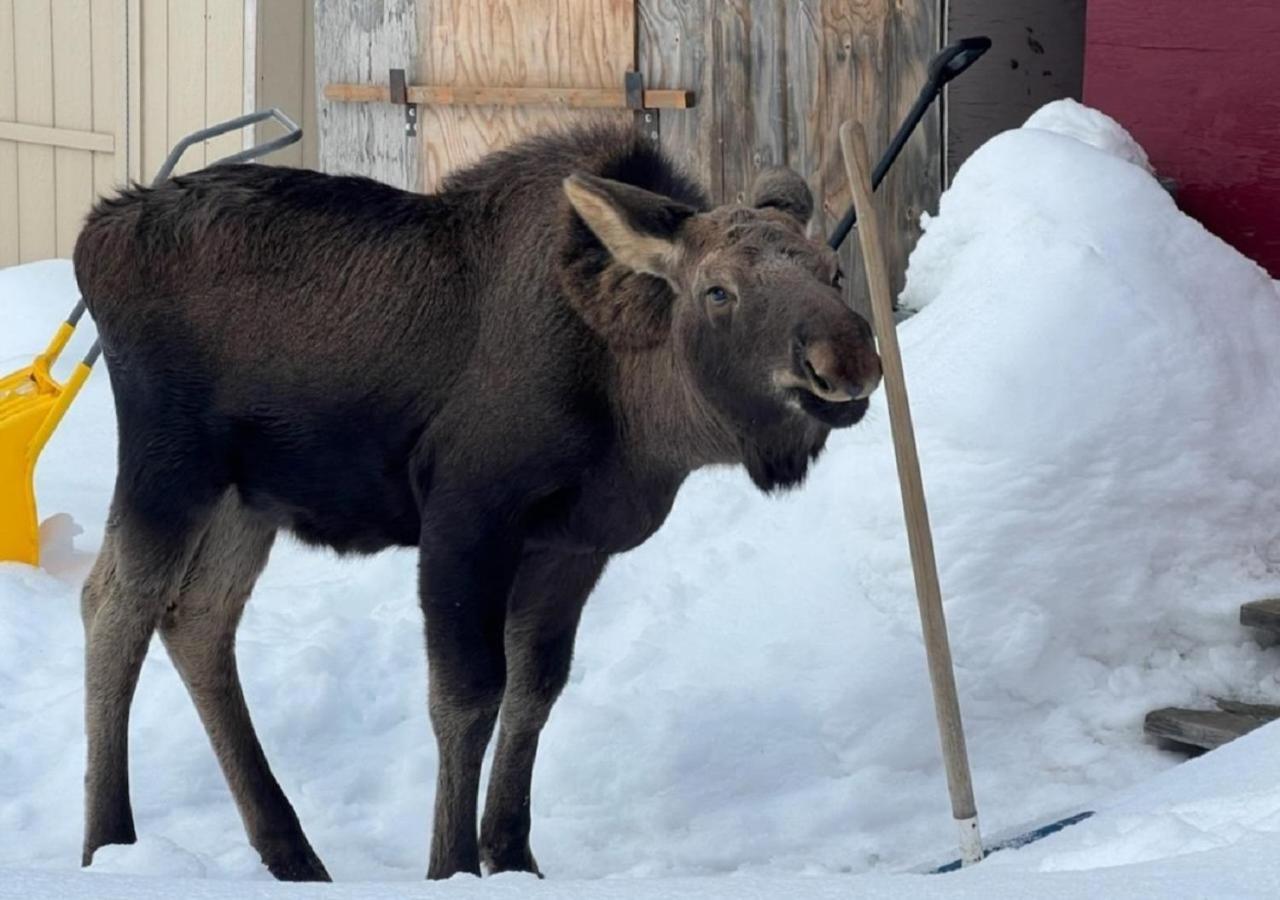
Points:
(514, 375)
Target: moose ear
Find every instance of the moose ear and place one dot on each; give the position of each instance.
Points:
(636, 226)
(781, 188)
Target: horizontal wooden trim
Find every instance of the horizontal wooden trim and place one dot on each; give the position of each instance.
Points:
(574, 98)
(96, 141)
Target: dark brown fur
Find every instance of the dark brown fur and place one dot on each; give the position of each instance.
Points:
(514, 375)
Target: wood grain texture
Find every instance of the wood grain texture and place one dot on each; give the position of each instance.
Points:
(450, 95)
(516, 44)
(1037, 55)
(10, 253)
(361, 42)
(857, 165)
(1201, 728)
(33, 50)
(1264, 614)
(674, 48)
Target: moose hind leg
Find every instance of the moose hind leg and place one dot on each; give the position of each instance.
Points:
(199, 634)
(542, 622)
(132, 580)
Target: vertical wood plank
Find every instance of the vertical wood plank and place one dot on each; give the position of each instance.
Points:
(732, 100)
(153, 126)
(9, 249)
(674, 39)
(361, 42)
(186, 77)
(72, 30)
(516, 43)
(33, 53)
(107, 53)
(224, 69)
(806, 77)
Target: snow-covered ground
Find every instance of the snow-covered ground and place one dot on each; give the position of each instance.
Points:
(1096, 386)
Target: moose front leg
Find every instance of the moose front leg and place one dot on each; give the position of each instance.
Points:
(465, 579)
(542, 620)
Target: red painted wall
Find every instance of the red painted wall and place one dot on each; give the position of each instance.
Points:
(1197, 82)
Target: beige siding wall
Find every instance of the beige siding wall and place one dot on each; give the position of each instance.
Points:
(60, 63)
(94, 92)
(190, 72)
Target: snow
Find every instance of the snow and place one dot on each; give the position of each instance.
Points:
(1095, 385)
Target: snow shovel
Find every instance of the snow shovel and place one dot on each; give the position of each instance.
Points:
(853, 144)
(33, 402)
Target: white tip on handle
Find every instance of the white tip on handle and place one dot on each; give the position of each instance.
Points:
(970, 841)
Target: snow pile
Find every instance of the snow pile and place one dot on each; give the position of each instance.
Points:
(1096, 390)
(1094, 127)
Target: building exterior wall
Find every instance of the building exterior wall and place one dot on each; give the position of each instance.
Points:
(95, 92)
(1194, 82)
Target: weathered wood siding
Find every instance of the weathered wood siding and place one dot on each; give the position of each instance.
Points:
(1037, 55)
(774, 80)
(360, 43)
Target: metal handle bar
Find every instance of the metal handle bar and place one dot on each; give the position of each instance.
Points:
(292, 135)
(950, 62)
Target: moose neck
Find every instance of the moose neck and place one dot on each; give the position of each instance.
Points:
(663, 415)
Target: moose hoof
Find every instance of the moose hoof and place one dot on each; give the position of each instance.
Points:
(509, 859)
(295, 864)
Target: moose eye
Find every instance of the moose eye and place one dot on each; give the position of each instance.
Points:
(837, 280)
(717, 296)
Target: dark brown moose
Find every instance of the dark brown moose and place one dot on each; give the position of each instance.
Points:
(514, 375)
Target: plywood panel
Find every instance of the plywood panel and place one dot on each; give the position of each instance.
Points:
(33, 47)
(107, 52)
(9, 252)
(360, 42)
(153, 86)
(224, 72)
(515, 43)
(186, 77)
(72, 108)
(806, 77)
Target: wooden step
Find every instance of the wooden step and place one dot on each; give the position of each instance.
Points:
(1263, 614)
(1207, 729)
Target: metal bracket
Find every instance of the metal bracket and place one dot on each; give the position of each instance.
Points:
(400, 94)
(646, 120)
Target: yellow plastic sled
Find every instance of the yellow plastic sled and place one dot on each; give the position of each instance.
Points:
(32, 403)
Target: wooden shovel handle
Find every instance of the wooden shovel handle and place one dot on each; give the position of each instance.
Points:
(853, 143)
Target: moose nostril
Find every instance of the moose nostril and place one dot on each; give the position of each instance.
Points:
(818, 381)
